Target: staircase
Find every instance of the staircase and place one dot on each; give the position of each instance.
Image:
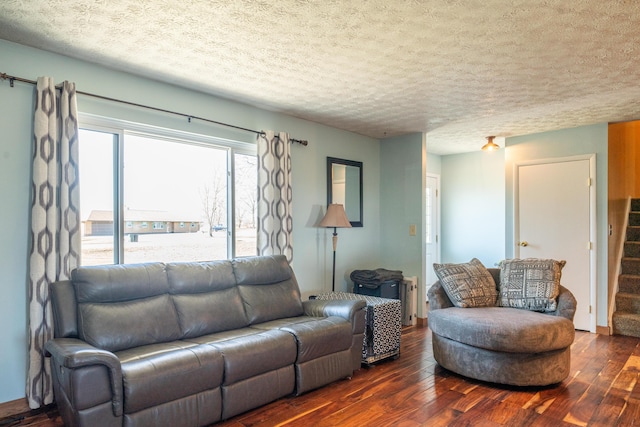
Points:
(626, 318)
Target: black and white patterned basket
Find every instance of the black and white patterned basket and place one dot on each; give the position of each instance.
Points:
(383, 325)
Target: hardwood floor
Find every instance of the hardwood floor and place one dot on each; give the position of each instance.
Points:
(602, 390)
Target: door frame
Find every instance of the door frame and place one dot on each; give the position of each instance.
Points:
(593, 236)
(423, 287)
(437, 226)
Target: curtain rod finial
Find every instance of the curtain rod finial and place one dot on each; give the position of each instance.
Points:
(5, 76)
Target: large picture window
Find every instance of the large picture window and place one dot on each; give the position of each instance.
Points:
(146, 197)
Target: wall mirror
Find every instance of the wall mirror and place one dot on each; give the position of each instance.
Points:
(344, 186)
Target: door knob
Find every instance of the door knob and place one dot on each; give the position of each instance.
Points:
(523, 243)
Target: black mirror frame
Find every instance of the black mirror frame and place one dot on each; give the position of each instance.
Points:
(330, 162)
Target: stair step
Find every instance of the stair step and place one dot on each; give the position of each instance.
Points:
(629, 283)
(633, 234)
(632, 249)
(630, 266)
(628, 302)
(626, 318)
(634, 219)
(626, 324)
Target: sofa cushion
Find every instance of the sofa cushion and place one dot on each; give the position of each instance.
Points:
(119, 282)
(268, 288)
(503, 329)
(199, 277)
(208, 313)
(467, 284)
(222, 336)
(206, 298)
(124, 297)
(320, 337)
(122, 325)
(160, 373)
(248, 355)
(531, 284)
(261, 270)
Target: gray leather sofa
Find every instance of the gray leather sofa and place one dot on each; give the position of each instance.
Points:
(501, 344)
(190, 344)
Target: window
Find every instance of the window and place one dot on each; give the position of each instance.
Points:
(246, 183)
(158, 197)
(96, 179)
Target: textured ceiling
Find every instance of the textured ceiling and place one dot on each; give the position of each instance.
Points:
(458, 70)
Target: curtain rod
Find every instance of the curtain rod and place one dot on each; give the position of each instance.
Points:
(12, 79)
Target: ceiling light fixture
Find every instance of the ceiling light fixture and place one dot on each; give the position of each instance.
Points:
(490, 146)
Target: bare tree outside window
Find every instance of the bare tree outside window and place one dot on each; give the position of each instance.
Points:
(246, 193)
(213, 196)
(246, 200)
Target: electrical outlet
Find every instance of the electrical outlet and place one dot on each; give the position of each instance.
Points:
(412, 229)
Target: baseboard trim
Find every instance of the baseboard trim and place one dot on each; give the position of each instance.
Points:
(422, 321)
(14, 407)
(603, 330)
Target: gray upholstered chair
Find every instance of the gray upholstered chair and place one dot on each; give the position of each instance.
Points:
(501, 344)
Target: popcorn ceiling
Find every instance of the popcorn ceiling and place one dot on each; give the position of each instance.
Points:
(457, 70)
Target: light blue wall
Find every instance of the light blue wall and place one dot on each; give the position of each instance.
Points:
(564, 143)
(402, 201)
(312, 257)
(473, 207)
(15, 155)
(401, 204)
(434, 163)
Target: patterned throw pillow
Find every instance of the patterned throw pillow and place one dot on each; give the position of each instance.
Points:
(468, 284)
(532, 284)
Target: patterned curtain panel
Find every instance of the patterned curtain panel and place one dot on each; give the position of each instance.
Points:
(275, 222)
(55, 221)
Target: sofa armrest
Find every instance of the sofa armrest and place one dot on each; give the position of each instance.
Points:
(566, 304)
(438, 298)
(74, 354)
(347, 309)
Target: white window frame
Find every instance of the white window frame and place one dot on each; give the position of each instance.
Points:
(121, 128)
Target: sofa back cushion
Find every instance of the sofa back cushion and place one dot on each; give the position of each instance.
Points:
(268, 288)
(206, 297)
(124, 306)
(64, 308)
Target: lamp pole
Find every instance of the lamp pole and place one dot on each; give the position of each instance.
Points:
(335, 245)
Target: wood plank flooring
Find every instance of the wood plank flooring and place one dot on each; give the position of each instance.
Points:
(602, 390)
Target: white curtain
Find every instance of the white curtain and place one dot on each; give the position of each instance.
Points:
(275, 221)
(55, 221)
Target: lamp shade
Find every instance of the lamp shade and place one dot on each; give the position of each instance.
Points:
(335, 217)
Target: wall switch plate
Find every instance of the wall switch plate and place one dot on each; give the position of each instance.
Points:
(412, 229)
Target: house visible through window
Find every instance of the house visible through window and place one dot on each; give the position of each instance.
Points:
(156, 198)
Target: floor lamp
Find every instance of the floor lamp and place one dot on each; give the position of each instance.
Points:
(335, 217)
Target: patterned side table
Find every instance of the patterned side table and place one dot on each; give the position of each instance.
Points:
(383, 325)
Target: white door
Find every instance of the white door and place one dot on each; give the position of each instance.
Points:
(555, 217)
(432, 228)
